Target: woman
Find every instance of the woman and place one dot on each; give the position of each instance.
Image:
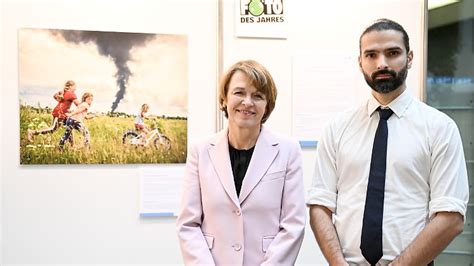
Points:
(243, 198)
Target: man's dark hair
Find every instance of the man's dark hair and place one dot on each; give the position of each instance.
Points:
(386, 24)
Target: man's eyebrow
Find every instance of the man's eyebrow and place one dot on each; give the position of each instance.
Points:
(369, 51)
(395, 48)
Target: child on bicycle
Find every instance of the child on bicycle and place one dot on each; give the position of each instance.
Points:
(140, 121)
(75, 120)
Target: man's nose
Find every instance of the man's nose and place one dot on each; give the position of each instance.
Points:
(382, 63)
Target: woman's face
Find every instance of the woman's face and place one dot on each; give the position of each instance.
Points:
(245, 105)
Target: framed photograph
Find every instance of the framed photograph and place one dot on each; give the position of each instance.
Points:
(95, 97)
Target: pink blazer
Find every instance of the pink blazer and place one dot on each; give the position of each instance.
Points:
(264, 225)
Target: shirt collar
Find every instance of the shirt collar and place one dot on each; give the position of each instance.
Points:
(399, 105)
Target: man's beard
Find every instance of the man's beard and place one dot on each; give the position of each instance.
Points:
(386, 85)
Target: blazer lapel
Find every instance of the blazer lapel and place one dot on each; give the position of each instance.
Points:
(266, 149)
(219, 154)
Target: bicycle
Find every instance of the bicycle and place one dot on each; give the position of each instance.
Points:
(160, 141)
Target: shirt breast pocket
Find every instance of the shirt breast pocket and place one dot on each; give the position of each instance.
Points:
(274, 175)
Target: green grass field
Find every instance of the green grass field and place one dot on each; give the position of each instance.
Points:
(105, 141)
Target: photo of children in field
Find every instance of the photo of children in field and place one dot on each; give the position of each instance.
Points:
(90, 97)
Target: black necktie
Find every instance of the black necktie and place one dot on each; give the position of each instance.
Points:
(371, 237)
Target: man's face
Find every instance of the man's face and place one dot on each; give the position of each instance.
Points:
(384, 60)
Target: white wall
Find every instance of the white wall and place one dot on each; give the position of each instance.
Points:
(1, 142)
(88, 215)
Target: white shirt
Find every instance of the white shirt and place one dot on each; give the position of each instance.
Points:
(426, 173)
(80, 116)
(139, 119)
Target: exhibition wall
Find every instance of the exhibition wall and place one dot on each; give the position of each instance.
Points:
(89, 214)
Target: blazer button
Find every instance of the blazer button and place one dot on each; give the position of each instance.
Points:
(238, 212)
(237, 247)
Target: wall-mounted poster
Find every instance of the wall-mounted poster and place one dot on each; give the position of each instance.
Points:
(90, 97)
(260, 19)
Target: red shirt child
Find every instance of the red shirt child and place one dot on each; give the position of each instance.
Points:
(65, 98)
(63, 105)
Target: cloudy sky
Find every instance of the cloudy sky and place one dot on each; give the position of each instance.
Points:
(122, 70)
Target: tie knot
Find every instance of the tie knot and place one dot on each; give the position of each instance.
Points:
(385, 113)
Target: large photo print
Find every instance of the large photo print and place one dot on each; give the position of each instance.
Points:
(90, 97)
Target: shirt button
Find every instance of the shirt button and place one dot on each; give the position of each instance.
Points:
(238, 212)
(237, 247)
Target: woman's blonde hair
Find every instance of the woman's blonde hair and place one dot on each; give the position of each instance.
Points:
(258, 76)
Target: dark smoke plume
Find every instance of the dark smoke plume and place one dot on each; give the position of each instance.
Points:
(117, 45)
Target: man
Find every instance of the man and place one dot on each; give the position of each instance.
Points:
(390, 183)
